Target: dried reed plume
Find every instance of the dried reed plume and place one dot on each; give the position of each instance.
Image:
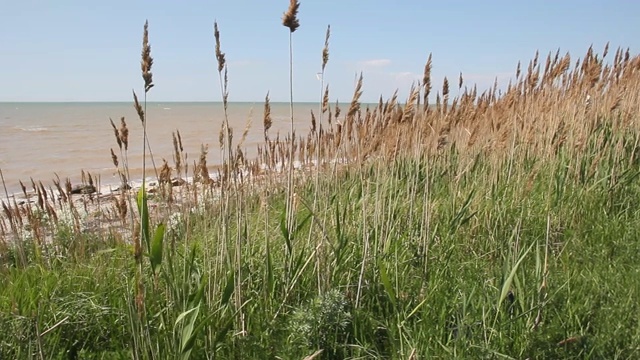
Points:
(114, 158)
(355, 101)
(124, 133)
(325, 100)
(138, 107)
(325, 50)
(177, 153)
(202, 171)
(165, 173)
(445, 93)
(245, 132)
(266, 119)
(221, 137)
(116, 132)
(408, 111)
(290, 17)
(219, 54)
(313, 122)
(121, 206)
(147, 60)
(426, 83)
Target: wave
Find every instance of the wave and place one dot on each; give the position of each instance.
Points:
(32, 128)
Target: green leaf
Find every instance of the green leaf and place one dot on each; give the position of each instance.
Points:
(187, 331)
(339, 235)
(270, 280)
(143, 209)
(507, 284)
(190, 263)
(460, 219)
(183, 315)
(302, 223)
(156, 248)
(196, 297)
(188, 344)
(228, 290)
(223, 331)
(387, 283)
(285, 232)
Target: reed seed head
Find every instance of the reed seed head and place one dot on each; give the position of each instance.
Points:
(177, 153)
(325, 50)
(355, 101)
(147, 60)
(325, 100)
(121, 205)
(426, 82)
(24, 188)
(408, 111)
(179, 140)
(124, 133)
(313, 122)
(445, 88)
(266, 119)
(138, 107)
(220, 56)
(165, 173)
(221, 136)
(203, 171)
(114, 158)
(116, 133)
(225, 93)
(245, 132)
(68, 187)
(290, 17)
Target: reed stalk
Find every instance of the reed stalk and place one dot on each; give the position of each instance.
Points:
(290, 20)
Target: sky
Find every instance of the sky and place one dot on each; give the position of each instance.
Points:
(90, 51)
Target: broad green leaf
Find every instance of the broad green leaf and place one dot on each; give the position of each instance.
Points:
(507, 284)
(188, 345)
(302, 223)
(387, 284)
(143, 210)
(228, 290)
(196, 297)
(285, 232)
(156, 248)
(187, 330)
(183, 315)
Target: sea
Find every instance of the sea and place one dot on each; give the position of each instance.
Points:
(42, 141)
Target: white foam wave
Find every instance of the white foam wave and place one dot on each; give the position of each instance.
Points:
(33, 128)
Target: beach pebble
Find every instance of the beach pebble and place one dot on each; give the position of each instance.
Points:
(123, 187)
(83, 189)
(178, 182)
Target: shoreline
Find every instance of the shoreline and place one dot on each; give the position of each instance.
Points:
(106, 209)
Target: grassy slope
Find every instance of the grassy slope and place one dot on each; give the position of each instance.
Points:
(447, 256)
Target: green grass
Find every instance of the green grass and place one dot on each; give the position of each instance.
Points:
(444, 255)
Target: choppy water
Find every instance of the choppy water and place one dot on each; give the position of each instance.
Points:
(39, 140)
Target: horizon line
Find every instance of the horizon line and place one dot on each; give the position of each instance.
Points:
(168, 101)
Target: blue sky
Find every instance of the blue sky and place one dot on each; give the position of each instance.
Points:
(72, 51)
